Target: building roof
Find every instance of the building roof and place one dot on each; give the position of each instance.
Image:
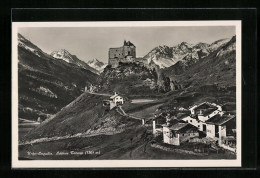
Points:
(182, 127)
(178, 126)
(208, 111)
(204, 105)
(220, 120)
(160, 119)
(172, 122)
(180, 115)
(128, 43)
(112, 97)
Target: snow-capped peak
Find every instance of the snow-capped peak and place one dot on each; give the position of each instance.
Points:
(185, 44)
(69, 58)
(94, 61)
(96, 64)
(63, 54)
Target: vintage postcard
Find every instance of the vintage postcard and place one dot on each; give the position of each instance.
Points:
(126, 94)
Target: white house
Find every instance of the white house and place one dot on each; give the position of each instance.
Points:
(114, 101)
(201, 113)
(205, 110)
(195, 122)
(219, 127)
(195, 109)
(117, 99)
(178, 133)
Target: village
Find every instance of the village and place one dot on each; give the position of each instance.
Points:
(204, 123)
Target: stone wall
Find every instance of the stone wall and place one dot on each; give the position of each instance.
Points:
(121, 54)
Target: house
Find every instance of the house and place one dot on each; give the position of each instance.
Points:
(205, 111)
(193, 120)
(178, 132)
(114, 101)
(221, 127)
(201, 113)
(118, 100)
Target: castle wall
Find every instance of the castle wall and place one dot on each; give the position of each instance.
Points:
(129, 51)
(116, 53)
(122, 54)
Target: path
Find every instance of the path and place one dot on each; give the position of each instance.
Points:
(121, 111)
(101, 94)
(27, 121)
(142, 101)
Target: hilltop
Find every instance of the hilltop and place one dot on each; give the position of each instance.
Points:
(133, 79)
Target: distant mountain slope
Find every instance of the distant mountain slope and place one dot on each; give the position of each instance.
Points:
(66, 56)
(165, 56)
(218, 70)
(46, 84)
(96, 64)
(198, 51)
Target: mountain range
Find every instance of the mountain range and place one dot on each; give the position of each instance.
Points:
(165, 56)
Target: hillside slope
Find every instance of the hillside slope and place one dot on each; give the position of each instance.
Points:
(218, 70)
(84, 113)
(46, 84)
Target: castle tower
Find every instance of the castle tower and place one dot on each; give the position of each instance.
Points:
(126, 53)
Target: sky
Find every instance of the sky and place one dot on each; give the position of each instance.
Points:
(88, 43)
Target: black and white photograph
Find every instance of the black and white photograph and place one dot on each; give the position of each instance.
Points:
(126, 94)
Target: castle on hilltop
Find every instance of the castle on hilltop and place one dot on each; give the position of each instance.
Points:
(126, 53)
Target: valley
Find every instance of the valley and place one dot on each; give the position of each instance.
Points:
(121, 110)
